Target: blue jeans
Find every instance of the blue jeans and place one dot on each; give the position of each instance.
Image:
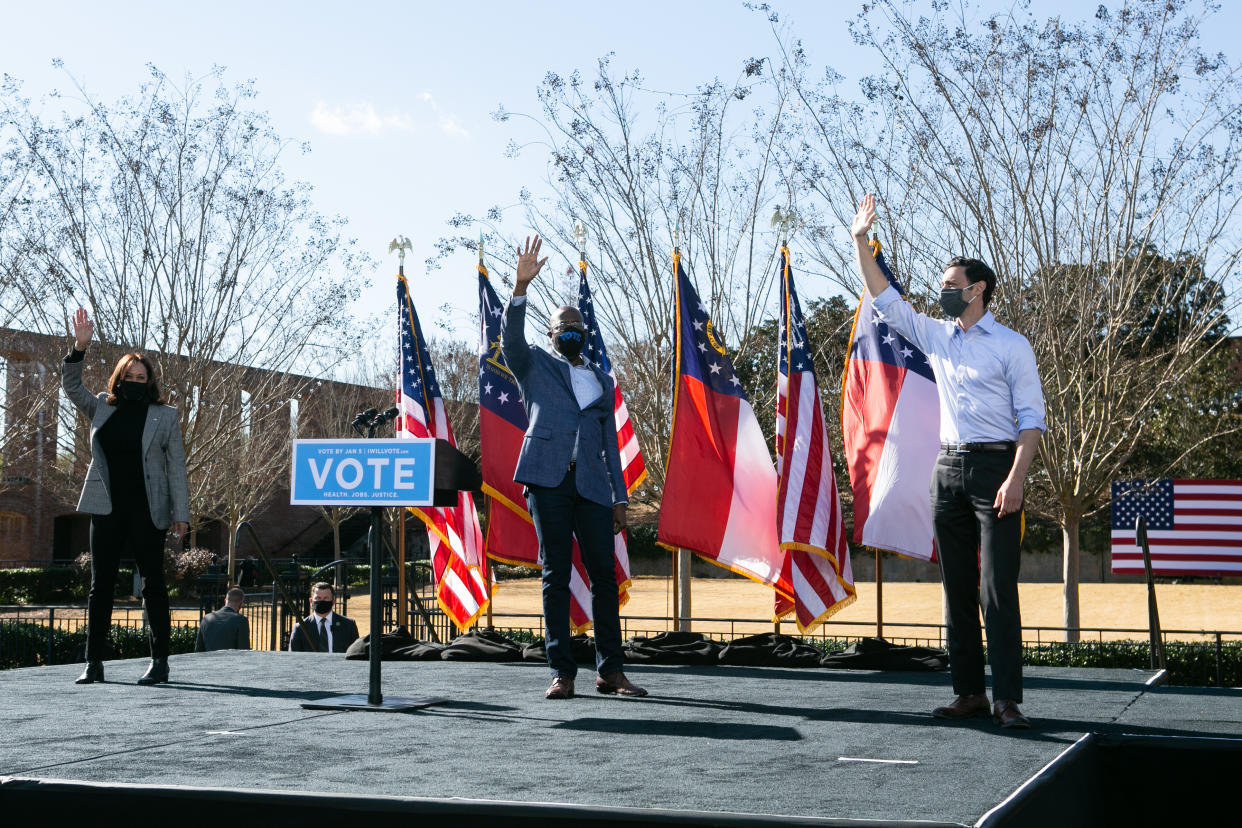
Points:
(559, 513)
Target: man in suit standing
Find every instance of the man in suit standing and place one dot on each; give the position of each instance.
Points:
(323, 631)
(571, 469)
(226, 628)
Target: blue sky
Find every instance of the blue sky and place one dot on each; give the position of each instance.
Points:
(395, 98)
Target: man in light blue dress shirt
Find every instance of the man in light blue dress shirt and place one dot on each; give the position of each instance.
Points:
(991, 419)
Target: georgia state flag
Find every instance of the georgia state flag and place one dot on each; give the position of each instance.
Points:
(890, 416)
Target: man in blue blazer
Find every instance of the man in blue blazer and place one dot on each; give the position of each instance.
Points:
(571, 469)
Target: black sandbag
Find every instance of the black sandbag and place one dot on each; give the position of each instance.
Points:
(419, 651)
(770, 650)
(581, 648)
(672, 648)
(390, 642)
(878, 654)
(482, 645)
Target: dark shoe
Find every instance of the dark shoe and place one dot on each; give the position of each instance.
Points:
(964, 707)
(562, 688)
(617, 684)
(92, 673)
(156, 673)
(1006, 714)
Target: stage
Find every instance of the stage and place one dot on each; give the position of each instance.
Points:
(799, 746)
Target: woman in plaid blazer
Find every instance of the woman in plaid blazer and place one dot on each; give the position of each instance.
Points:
(135, 489)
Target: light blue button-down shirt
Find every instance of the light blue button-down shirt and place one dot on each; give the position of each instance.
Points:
(985, 376)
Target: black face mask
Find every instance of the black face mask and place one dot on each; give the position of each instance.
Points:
(952, 303)
(131, 391)
(570, 344)
(322, 607)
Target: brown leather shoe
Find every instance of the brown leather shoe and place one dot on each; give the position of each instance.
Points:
(562, 688)
(1006, 714)
(617, 684)
(964, 707)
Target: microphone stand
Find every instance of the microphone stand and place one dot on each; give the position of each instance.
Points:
(366, 423)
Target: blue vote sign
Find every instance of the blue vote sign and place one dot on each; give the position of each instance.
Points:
(363, 472)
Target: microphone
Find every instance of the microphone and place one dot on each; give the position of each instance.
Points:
(362, 419)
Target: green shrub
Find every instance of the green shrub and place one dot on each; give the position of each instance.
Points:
(23, 644)
(37, 586)
(1191, 663)
(54, 585)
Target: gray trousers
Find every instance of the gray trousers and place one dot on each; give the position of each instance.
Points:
(979, 556)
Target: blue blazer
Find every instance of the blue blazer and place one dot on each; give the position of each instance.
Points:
(554, 416)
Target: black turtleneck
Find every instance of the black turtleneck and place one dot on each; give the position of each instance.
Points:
(121, 439)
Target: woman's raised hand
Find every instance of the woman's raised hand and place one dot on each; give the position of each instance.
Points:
(83, 329)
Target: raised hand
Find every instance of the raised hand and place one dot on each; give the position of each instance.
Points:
(863, 218)
(83, 329)
(528, 264)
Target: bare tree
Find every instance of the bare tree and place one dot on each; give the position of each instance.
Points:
(704, 166)
(1094, 165)
(168, 217)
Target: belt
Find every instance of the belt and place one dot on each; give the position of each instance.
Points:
(963, 448)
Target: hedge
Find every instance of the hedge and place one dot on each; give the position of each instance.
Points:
(23, 644)
(1190, 663)
(53, 585)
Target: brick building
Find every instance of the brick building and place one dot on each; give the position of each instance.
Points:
(43, 451)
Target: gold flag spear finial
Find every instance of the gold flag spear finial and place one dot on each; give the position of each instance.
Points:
(580, 236)
(785, 221)
(400, 244)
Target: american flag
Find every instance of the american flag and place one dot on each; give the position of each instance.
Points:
(632, 466)
(453, 532)
(633, 469)
(1194, 527)
(811, 525)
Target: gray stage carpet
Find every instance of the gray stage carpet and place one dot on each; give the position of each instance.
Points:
(808, 743)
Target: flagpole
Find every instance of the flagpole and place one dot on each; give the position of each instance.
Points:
(402, 586)
(879, 561)
(675, 557)
(777, 218)
(487, 561)
(879, 595)
(682, 578)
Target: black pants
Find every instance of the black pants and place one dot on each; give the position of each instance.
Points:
(559, 513)
(971, 541)
(127, 532)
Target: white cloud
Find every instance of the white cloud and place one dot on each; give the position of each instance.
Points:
(363, 119)
(360, 118)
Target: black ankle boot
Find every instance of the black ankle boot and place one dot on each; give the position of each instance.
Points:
(156, 673)
(92, 673)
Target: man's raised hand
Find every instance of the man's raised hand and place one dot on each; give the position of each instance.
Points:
(528, 264)
(863, 218)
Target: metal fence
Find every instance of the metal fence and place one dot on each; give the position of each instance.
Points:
(29, 634)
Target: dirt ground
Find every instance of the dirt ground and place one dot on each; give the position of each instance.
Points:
(1190, 607)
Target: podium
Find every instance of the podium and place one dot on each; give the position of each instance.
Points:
(379, 473)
